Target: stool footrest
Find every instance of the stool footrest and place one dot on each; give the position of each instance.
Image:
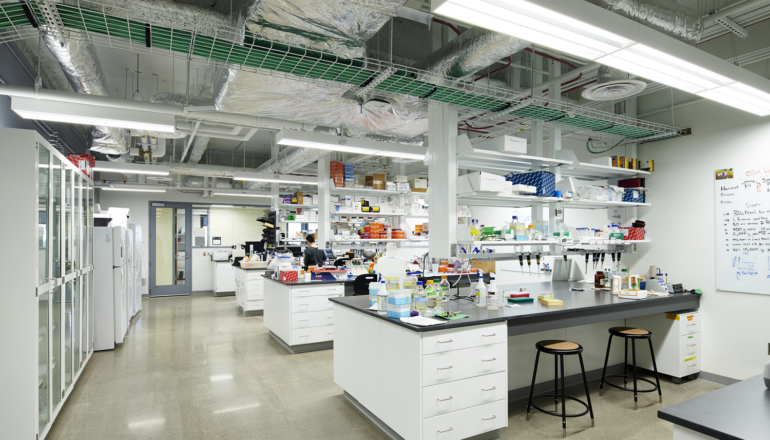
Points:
(654, 387)
(555, 413)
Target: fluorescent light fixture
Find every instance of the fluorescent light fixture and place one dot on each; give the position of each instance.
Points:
(540, 25)
(133, 188)
(239, 194)
(349, 145)
(58, 111)
(279, 178)
(222, 206)
(594, 33)
(742, 97)
(131, 168)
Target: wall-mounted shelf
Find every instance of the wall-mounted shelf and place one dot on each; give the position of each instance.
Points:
(366, 192)
(593, 204)
(591, 171)
(297, 221)
(367, 214)
(498, 162)
(500, 200)
(509, 243)
(289, 206)
(608, 243)
(368, 240)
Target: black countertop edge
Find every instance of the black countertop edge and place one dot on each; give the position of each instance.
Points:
(672, 297)
(696, 427)
(305, 283)
(448, 324)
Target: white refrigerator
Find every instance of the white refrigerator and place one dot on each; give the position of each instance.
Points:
(138, 255)
(109, 293)
(129, 283)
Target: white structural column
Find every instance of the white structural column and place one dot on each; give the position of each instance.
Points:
(554, 94)
(324, 201)
(274, 189)
(442, 179)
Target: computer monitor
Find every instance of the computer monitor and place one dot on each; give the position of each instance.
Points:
(253, 247)
(295, 250)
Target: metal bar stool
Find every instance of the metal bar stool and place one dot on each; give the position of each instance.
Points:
(633, 334)
(560, 349)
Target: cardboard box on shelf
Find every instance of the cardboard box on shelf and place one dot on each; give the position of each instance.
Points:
(418, 183)
(481, 182)
(376, 181)
(402, 186)
(390, 186)
(606, 161)
(300, 199)
(506, 144)
(398, 179)
(636, 182)
(485, 266)
(633, 233)
(633, 196)
(647, 165)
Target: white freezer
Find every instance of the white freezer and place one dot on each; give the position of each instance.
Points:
(129, 286)
(119, 284)
(138, 269)
(104, 290)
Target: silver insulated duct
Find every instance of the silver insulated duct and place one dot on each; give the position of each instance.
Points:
(81, 66)
(288, 160)
(200, 143)
(666, 16)
(470, 52)
(341, 27)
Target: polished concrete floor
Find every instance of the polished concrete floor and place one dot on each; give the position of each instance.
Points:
(194, 368)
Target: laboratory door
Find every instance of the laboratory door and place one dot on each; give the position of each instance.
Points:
(170, 250)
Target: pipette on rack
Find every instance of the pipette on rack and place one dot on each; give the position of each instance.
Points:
(619, 254)
(529, 263)
(586, 263)
(613, 258)
(538, 265)
(521, 262)
(602, 262)
(596, 259)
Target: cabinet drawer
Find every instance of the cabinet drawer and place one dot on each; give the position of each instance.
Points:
(461, 364)
(461, 394)
(312, 335)
(255, 285)
(311, 304)
(252, 295)
(689, 344)
(324, 289)
(255, 275)
(249, 306)
(689, 364)
(464, 337)
(689, 323)
(467, 422)
(312, 319)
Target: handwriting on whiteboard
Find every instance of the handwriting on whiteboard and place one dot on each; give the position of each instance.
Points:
(743, 228)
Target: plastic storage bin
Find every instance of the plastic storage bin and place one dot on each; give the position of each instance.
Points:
(400, 297)
(399, 311)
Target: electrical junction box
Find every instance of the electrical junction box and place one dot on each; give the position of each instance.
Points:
(505, 144)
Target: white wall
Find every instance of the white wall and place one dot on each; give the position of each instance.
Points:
(735, 329)
(139, 206)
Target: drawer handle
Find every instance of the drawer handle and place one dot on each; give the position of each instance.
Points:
(444, 400)
(444, 342)
(692, 365)
(303, 320)
(688, 325)
(441, 432)
(330, 333)
(439, 368)
(490, 389)
(488, 360)
(493, 417)
(489, 336)
(303, 304)
(304, 291)
(691, 345)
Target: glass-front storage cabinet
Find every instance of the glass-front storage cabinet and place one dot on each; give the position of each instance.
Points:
(46, 322)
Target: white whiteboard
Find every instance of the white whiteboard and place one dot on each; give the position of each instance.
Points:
(743, 229)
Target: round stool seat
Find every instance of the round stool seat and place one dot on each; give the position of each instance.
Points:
(630, 332)
(558, 347)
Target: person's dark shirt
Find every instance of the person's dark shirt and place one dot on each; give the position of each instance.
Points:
(314, 257)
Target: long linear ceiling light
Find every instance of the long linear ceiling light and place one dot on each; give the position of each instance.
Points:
(349, 145)
(278, 178)
(591, 32)
(73, 113)
(131, 168)
(133, 188)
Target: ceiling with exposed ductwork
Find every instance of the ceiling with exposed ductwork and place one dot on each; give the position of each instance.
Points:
(353, 67)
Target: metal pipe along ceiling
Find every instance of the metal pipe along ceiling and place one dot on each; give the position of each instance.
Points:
(666, 16)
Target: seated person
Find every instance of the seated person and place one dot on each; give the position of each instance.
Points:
(313, 255)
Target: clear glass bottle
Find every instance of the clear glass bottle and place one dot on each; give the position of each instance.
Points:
(420, 301)
(430, 296)
(442, 294)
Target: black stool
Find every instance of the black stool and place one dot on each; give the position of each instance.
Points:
(633, 334)
(559, 349)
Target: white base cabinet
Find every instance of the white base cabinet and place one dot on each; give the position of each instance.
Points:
(441, 384)
(676, 341)
(249, 289)
(302, 314)
(223, 277)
